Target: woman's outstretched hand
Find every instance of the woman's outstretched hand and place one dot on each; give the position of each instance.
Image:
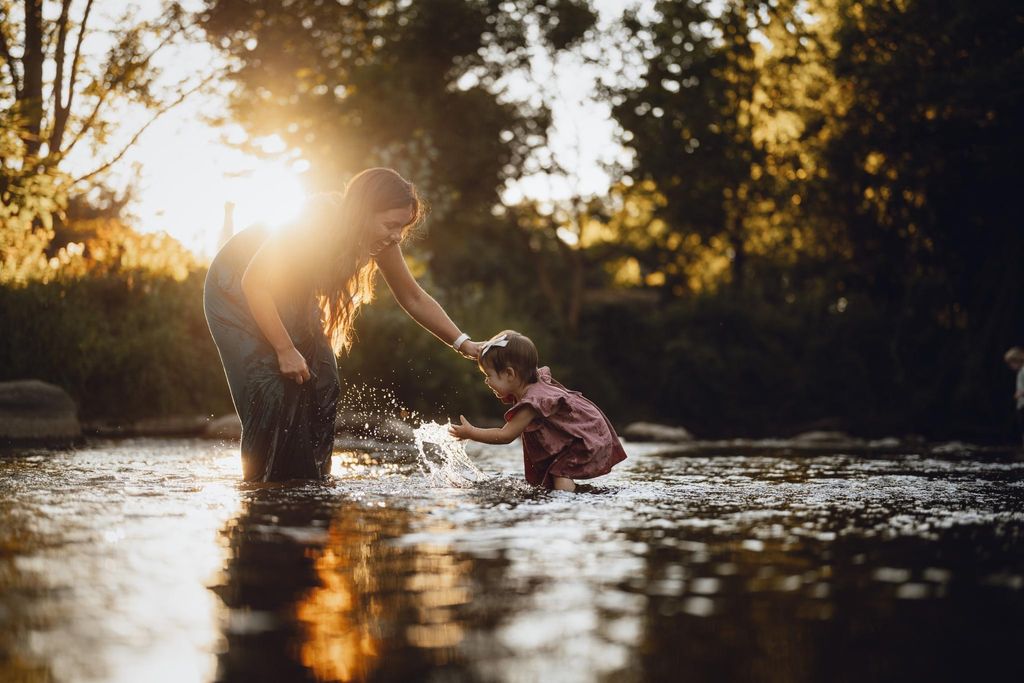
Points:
(462, 430)
(470, 349)
(293, 365)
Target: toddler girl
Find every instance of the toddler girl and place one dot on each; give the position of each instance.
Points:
(565, 436)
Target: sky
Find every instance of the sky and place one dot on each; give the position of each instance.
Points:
(186, 168)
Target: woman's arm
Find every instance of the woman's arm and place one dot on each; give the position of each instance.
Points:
(257, 284)
(506, 434)
(420, 306)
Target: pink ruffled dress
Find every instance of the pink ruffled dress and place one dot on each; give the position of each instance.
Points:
(570, 437)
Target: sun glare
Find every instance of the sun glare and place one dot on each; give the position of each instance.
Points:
(186, 175)
(270, 195)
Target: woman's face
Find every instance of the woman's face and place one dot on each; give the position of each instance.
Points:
(386, 228)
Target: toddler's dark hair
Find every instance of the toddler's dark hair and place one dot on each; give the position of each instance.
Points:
(519, 354)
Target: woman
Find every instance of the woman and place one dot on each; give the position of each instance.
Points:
(281, 307)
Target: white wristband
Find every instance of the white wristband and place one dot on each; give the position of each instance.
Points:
(460, 340)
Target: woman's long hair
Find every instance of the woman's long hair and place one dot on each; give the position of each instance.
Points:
(346, 272)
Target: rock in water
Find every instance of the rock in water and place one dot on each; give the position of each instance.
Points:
(34, 413)
(649, 431)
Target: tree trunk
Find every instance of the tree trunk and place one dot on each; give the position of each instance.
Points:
(543, 278)
(60, 114)
(31, 106)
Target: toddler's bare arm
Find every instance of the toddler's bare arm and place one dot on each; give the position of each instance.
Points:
(505, 434)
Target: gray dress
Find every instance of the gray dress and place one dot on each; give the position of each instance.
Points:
(287, 428)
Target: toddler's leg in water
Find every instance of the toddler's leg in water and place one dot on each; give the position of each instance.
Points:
(564, 484)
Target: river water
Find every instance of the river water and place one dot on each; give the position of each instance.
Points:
(147, 560)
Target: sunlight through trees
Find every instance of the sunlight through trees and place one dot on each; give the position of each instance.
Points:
(832, 179)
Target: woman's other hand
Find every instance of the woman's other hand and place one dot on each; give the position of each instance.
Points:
(462, 430)
(470, 349)
(293, 365)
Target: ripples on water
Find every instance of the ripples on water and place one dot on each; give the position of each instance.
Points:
(148, 560)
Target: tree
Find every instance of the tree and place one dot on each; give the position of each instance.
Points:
(64, 83)
(924, 170)
(720, 123)
(688, 123)
(88, 78)
(424, 87)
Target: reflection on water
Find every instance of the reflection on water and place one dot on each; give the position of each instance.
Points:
(148, 560)
(105, 555)
(317, 588)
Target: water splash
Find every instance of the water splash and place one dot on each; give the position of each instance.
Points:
(373, 414)
(442, 458)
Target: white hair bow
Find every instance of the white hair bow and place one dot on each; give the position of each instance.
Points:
(500, 341)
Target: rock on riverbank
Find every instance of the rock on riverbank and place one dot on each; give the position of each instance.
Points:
(649, 431)
(33, 413)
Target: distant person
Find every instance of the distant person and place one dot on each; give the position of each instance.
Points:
(565, 436)
(1015, 359)
(281, 306)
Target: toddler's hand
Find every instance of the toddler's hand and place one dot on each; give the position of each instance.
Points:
(460, 431)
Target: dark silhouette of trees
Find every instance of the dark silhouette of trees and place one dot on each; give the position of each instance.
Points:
(924, 168)
(817, 227)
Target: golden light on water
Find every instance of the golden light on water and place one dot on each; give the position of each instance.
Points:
(365, 583)
(338, 646)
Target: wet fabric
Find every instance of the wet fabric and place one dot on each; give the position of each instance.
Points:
(287, 428)
(571, 437)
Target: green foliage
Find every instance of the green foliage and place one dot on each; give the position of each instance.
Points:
(29, 198)
(391, 350)
(113, 316)
(123, 347)
(923, 171)
(691, 125)
(727, 366)
(869, 158)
